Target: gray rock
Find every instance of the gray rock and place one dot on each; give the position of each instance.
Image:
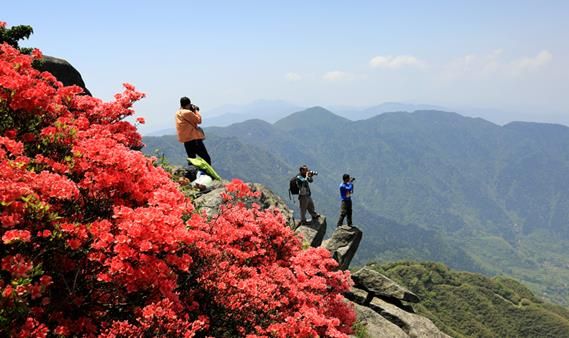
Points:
(377, 326)
(269, 199)
(211, 201)
(63, 71)
(379, 285)
(412, 324)
(313, 233)
(343, 245)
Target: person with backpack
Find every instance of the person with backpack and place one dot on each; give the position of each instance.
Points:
(189, 133)
(302, 181)
(346, 191)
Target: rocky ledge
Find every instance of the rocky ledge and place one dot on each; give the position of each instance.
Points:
(382, 306)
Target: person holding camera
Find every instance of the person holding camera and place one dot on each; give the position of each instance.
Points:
(303, 180)
(346, 191)
(189, 133)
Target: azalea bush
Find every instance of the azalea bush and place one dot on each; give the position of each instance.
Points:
(97, 240)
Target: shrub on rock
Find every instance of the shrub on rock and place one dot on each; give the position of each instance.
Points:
(97, 240)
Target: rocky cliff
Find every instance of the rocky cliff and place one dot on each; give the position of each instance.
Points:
(384, 307)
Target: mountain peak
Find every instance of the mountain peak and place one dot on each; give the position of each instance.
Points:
(314, 117)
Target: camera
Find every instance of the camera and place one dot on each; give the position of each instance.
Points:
(352, 179)
(312, 173)
(195, 108)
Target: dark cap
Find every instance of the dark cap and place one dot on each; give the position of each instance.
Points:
(184, 101)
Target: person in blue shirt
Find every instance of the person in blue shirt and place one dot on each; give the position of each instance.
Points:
(346, 191)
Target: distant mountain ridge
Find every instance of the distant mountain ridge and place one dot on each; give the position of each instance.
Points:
(355, 114)
(490, 198)
(274, 110)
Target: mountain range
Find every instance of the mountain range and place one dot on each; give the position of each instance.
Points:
(274, 110)
(430, 185)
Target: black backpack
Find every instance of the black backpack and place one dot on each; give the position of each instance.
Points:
(293, 187)
(191, 172)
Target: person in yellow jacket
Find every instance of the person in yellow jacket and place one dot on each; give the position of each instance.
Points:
(187, 120)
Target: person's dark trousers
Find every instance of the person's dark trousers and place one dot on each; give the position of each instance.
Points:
(345, 210)
(196, 147)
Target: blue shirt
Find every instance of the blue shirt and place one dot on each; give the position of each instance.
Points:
(346, 191)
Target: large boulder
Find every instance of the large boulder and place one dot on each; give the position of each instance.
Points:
(343, 245)
(313, 232)
(379, 285)
(63, 71)
(412, 324)
(376, 326)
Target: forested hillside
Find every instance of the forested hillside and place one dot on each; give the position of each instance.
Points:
(465, 304)
(430, 185)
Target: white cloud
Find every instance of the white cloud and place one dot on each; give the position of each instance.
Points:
(527, 64)
(293, 76)
(473, 65)
(337, 76)
(493, 65)
(396, 62)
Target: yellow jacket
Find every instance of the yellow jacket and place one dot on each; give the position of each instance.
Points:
(187, 125)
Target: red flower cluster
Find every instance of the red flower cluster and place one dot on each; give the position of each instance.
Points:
(99, 241)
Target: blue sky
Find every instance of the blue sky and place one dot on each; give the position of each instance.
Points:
(506, 58)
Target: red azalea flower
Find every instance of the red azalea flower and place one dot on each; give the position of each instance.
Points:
(115, 237)
(16, 235)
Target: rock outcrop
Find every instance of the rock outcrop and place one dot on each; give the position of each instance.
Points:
(63, 71)
(313, 233)
(210, 201)
(375, 325)
(377, 285)
(411, 324)
(343, 245)
(382, 305)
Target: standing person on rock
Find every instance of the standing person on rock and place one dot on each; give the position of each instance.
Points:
(346, 191)
(189, 133)
(303, 180)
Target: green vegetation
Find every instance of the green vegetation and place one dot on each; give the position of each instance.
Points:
(14, 34)
(465, 304)
(430, 185)
(360, 330)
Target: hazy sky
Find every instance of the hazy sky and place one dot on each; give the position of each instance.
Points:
(508, 56)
